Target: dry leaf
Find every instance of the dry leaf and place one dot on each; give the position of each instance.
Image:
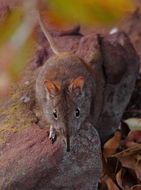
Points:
(136, 187)
(112, 144)
(131, 158)
(134, 123)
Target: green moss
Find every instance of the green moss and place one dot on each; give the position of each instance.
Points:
(16, 115)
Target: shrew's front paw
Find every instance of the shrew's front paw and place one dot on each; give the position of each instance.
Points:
(52, 134)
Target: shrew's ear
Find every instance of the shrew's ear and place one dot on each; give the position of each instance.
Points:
(77, 84)
(52, 87)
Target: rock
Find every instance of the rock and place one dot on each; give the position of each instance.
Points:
(114, 64)
(31, 161)
(120, 67)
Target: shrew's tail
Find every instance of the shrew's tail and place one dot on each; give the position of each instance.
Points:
(48, 36)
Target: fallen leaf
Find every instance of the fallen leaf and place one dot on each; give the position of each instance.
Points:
(128, 177)
(133, 138)
(131, 158)
(112, 144)
(136, 187)
(133, 123)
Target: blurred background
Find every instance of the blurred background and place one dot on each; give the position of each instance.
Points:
(18, 21)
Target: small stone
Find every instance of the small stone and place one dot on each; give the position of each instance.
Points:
(23, 173)
(25, 99)
(113, 30)
(42, 160)
(26, 82)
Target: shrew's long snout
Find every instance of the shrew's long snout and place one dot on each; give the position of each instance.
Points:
(68, 142)
(66, 135)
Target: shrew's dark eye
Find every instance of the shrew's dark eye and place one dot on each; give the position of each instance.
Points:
(77, 113)
(55, 114)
